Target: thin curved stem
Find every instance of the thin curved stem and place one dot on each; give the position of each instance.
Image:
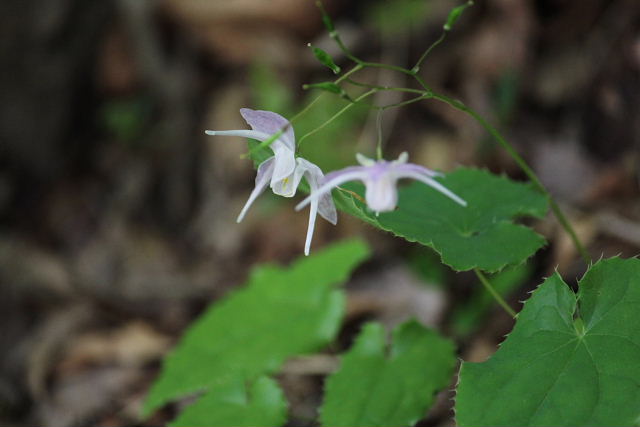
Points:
(489, 287)
(428, 93)
(272, 138)
(403, 103)
(389, 88)
(564, 222)
(416, 67)
(339, 80)
(379, 132)
(338, 114)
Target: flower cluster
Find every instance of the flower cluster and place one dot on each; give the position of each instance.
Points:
(283, 172)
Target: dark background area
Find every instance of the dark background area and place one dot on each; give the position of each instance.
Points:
(117, 213)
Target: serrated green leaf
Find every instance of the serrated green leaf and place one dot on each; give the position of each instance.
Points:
(325, 59)
(372, 389)
(481, 235)
(426, 264)
(455, 14)
(261, 404)
(570, 360)
(251, 332)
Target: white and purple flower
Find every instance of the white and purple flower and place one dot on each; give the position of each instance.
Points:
(380, 179)
(283, 171)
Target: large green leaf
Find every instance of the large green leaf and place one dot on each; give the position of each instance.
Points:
(481, 235)
(236, 404)
(570, 360)
(375, 387)
(280, 313)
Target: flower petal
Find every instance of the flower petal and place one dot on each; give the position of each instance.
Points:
(285, 165)
(288, 186)
(313, 212)
(265, 170)
(327, 209)
(269, 122)
(315, 178)
(402, 158)
(333, 174)
(381, 193)
(260, 136)
(433, 183)
(411, 167)
(364, 160)
(336, 178)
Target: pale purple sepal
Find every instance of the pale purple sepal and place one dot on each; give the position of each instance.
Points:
(263, 125)
(380, 179)
(284, 171)
(265, 171)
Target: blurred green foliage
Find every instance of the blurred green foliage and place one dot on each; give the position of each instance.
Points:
(380, 386)
(280, 313)
(391, 17)
(260, 403)
(126, 118)
(426, 263)
(332, 147)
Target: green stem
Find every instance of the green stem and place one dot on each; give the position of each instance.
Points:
(338, 114)
(272, 138)
(428, 93)
(379, 131)
(485, 282)
(339, 80)
(336, 37)
(564, 222)
(388, 88)
(403, 103)
(416, 67)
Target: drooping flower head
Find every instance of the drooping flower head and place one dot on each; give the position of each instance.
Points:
(380, 179)
(283, 171)
(263, 125)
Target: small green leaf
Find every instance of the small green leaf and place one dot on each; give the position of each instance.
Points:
(325, 59)
(570, 360)
(262, 404)
(326, 86)
(455, 14)
(480, 235)
(372, 389)
(251, 332)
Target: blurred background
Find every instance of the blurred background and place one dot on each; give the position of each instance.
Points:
(118, 213)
